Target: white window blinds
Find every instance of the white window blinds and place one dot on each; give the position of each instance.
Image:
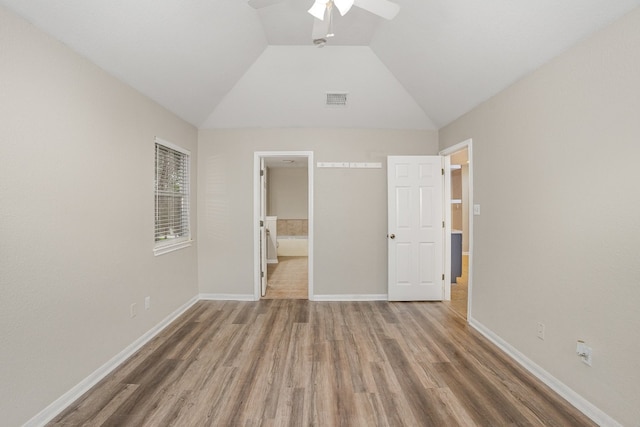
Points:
(172, 196)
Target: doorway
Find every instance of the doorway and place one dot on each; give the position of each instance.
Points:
(459, 192)
(283, 231)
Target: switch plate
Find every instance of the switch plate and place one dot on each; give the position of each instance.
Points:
(584, 352)
(476, 209)
(147, 303)
(133, 310)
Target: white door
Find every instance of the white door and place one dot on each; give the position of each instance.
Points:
(263, 228)
(416, 233)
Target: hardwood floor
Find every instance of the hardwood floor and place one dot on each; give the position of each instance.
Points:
(460, 290)
(288, 279)
(302, 363)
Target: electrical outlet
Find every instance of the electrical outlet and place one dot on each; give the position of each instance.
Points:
(584, 352)
(147, 303)
(133, 310)
(540, 330)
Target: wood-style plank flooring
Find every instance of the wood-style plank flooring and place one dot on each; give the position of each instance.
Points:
(302, 363)
(288, 279)
(460, 290)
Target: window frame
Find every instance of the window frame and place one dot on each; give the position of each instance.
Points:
(165, 246)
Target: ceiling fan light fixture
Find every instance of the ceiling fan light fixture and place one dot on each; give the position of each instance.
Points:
(318, 9)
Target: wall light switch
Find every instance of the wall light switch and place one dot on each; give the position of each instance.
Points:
(476, 209)
(584, 352)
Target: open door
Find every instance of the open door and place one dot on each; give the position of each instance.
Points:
(460, 220)
(263, 228)
(260, 203)
(415, 227)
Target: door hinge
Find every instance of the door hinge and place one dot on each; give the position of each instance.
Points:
(261, 223)
(262, 274)
(442, 276)
(442, 224)
(261, 172)
(442, 171)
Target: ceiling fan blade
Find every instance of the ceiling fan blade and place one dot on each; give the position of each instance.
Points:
(259, 4)
(320, 29)
(343, 6)
(383, 8)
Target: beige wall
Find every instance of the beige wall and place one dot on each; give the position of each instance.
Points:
(350, 205)
(76, 219)
(288, 193)
(557, 241)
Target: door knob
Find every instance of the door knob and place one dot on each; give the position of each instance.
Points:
(392, 236)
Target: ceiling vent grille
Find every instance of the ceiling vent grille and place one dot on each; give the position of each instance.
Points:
(336, 99)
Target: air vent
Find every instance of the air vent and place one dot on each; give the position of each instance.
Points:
(336, 99)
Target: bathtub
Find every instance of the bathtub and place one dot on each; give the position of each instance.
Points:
(293, 246)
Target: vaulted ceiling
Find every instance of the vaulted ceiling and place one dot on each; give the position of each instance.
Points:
(223, 64)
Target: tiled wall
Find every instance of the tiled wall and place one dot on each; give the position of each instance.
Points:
(293, 227)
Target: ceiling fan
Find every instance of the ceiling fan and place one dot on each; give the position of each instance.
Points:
(322, 11)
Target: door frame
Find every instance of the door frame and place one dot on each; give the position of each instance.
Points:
(447, 152)
(257, 157)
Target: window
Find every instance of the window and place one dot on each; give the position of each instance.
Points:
(172, 229)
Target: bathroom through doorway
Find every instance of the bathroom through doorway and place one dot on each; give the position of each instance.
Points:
(283, 196)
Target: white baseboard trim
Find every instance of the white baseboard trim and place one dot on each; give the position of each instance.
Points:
(351, 297)
(227, 297)
(583, 405)
(48, 413)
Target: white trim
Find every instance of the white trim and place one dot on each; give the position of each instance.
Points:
(446, 206)
(351, 297)
(60, 404)
(468, 144)
(172, 146)
(579, 402)
(257, 155)
(165, 249)
(227, 297)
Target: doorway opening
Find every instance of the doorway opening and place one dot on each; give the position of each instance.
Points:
(283, 218)
(459, 194)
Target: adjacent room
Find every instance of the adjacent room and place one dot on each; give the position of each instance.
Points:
(136, 248)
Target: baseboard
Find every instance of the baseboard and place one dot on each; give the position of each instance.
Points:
(227, 297)
(48, 413)
(351, 297)
(583, 405)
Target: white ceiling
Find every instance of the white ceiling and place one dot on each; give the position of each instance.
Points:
(223, 64)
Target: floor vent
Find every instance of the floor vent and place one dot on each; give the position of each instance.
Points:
(336, 99)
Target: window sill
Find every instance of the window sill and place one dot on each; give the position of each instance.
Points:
(164, 249)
